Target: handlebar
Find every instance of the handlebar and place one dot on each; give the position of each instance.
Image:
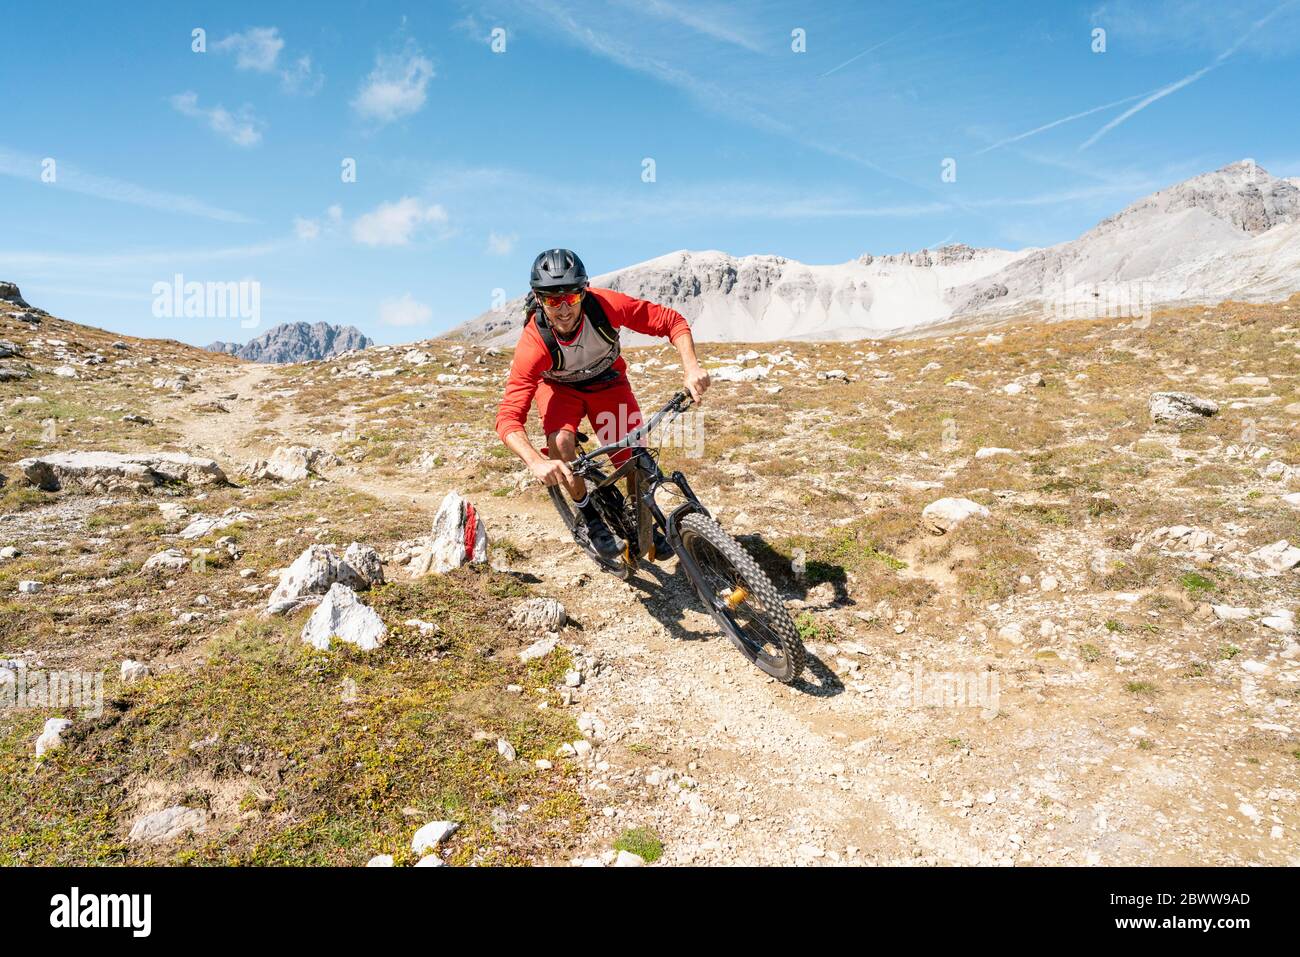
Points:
(678, 404)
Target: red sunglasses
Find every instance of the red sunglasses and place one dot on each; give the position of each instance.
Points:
(560, 298)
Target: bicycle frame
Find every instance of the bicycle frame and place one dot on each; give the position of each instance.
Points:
(645, 479)
(639, 515)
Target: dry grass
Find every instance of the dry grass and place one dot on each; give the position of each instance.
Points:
(839, 470)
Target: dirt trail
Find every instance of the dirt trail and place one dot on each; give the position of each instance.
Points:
(663, 681)
(728, 766)
(225, 434)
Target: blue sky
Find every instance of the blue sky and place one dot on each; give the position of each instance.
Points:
(226, 165)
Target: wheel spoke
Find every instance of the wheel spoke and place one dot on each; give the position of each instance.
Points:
(725, 582)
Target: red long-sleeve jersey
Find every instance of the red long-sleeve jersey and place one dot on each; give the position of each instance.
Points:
(531, 358)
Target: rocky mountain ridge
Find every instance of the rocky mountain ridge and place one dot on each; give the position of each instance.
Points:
(296, 342)
(1233, 232)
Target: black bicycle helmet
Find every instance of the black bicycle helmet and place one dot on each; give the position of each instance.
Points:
(558, 269)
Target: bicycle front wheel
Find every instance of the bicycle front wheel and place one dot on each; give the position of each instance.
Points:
(741, 598)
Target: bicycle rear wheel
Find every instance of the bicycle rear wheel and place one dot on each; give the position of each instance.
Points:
(741, 598)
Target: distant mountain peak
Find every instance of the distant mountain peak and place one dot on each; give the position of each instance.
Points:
(297, 342)
(939, 256)
(765, 297)
(9, 293)
(1242, 193)
(1233, 232)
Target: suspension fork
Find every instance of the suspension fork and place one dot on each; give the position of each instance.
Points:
(635, 500)
(670, 523)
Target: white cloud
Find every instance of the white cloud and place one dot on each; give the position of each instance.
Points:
(474, 28)
(501, 245)
(404, 312)
(302, 77)
(242, 129)
(314, 228)
(76, 180)
(257, 48)
(306, 229)
(395, 87)
(392, 224)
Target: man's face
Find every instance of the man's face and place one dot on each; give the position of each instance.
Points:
(563, 316)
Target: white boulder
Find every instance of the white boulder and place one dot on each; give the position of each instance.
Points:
(365, 561)
(312, 573)
(133, 671)
(1279, 557)
(1284, 624)
(167, 824)
(293, 463)
(342, 615)
(172, 511)
(52, 735)
(202, 525)
(945, 514)
(737, 374)
(171, 558)
(428, 838)
(116, 471)
(539, 614)
(539, 648)
(1231, 613)
(459, 537)
(1180, 408)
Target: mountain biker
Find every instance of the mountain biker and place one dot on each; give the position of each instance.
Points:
(568, 355)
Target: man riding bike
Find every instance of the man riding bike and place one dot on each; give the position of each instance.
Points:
(568, 355)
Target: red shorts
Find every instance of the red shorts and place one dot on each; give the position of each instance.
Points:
(611, 409)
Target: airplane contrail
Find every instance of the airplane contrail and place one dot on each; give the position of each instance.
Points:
(1064, 119)
(1191, 78)
(864, 52)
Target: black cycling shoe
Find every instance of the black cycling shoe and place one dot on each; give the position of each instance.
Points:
(598, 533)
(663, 551)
